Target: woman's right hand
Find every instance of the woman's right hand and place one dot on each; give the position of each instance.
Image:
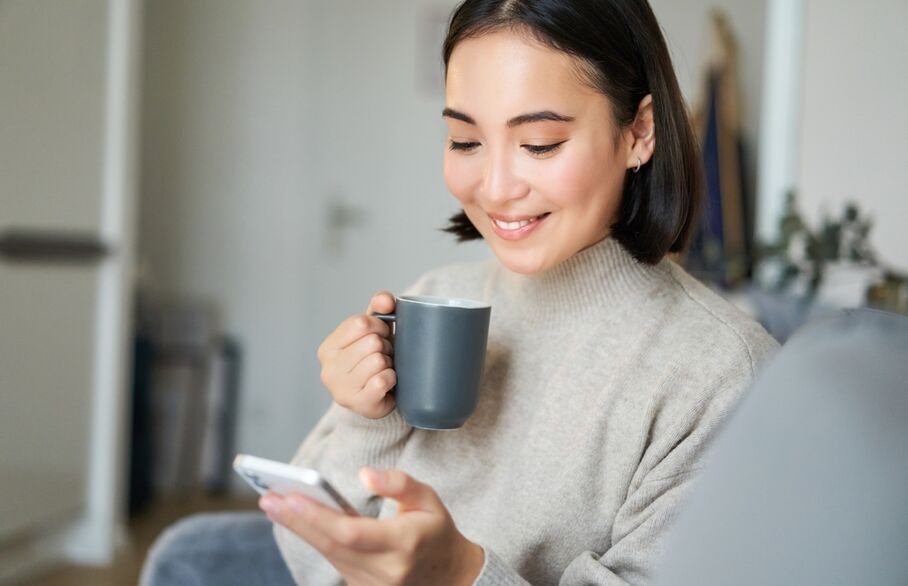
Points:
(356, 361)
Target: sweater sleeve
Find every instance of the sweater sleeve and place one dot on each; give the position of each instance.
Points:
(658, 489)
(648, 511)
(339, 445)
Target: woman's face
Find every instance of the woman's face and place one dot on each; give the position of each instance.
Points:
(534, 155)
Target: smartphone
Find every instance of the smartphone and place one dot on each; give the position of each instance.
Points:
(264, 475)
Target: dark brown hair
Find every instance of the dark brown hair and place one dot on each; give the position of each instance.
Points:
(623, 53)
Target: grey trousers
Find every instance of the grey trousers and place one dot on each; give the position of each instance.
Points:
(216, 549)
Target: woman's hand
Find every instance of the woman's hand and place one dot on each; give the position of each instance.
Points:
(356, 361)
(421, 545)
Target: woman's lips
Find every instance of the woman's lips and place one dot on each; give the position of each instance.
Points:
(516, 229)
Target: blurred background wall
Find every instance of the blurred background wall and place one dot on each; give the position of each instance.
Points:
(226, 209)
(854, 122)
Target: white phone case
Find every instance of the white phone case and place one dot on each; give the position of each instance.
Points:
(264, 475)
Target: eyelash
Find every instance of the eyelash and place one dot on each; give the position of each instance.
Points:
(533, 149)
(462, 146)
(543, 149)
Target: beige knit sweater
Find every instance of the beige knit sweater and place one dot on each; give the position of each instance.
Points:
(604, 381)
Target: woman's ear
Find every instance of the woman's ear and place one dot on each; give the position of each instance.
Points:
(641, 135)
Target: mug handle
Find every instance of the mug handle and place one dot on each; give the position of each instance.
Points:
(390, 318)
(387, 317)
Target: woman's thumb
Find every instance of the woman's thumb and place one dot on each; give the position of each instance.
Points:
(382, 302)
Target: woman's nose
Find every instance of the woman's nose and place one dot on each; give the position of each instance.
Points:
(500, 181)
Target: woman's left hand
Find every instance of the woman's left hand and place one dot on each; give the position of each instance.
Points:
(421, 545)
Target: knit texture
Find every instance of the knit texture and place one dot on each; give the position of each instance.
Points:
(604, 381)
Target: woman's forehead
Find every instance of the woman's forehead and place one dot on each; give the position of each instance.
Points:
(505, 73)
(508, 58)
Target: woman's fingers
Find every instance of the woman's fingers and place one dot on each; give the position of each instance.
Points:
(373, 398)
(370, 365)
(361, 349)
(372, 373)
(349, 332)
(330, 532)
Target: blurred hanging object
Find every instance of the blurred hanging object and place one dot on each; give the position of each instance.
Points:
(721, 245)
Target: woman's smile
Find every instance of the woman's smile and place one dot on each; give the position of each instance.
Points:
(516, 228)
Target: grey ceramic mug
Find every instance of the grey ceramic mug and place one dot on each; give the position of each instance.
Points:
(439, 353)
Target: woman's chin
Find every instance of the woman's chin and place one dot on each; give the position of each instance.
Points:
(525, 263)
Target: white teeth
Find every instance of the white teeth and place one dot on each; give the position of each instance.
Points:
(514, 225)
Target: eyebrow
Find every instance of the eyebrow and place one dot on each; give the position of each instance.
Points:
(542, 116)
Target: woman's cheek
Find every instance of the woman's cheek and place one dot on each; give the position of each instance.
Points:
(458, 177)
(567, 181)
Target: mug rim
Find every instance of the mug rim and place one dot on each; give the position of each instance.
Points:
(436, 301)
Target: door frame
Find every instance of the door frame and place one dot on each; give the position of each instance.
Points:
(94, 538)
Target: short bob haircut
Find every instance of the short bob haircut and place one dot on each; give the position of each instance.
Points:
(623, 54)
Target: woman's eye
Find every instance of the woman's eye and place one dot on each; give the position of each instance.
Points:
(543, 149)
(462, 146)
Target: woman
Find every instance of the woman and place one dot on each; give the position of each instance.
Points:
(608, 367)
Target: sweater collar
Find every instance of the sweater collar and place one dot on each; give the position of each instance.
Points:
(601, 274)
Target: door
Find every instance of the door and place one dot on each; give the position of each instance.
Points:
(64, 247)
(379, 141)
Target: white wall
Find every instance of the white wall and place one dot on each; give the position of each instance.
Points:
(854, 128)
(224, 210)
(381, 140)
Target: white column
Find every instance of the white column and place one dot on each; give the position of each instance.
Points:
(783, 64)
(93, 539)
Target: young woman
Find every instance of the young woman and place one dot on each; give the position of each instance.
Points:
(608, 367)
